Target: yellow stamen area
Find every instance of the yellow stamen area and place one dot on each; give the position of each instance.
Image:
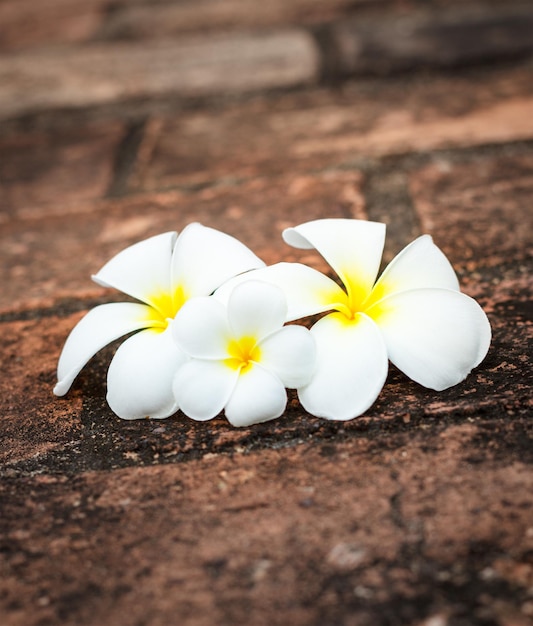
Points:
(352, 303)
(243, 353)
(357, 294)
(164, 307)
(345, 320)
(359, 300)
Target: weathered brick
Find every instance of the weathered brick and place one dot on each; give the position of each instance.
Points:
(53, 256)
(321, 129)
(144, 19)
(400, 133)
(480, 211)
(23, 24)
(40, 170)
(31, 423)
(448, 37)
(197, 67)
(151, 543)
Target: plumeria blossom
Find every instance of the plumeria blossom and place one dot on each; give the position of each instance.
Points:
(162, 273)
(242, 357)
(414, 315)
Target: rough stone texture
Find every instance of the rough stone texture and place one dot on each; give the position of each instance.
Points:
(480, 209)
(320, 128)
(236, 541)
(418, 513)
(142, 20)
(102, 73)
(424, 39)
(56, 22)
(29, 428)
(55, 169)
(61, 22)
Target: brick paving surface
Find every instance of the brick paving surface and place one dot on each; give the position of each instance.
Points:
(123, 119)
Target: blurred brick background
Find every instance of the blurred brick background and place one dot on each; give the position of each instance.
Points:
(120, 119)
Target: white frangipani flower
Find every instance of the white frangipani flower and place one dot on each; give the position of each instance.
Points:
(242, 355)
(413, 315)
(162, 272)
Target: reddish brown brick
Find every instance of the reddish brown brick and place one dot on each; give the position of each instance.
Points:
(32, 424)
(479, 212)
(42, 170)
(23, 24)
(207, 540)
(399, 132)
(321, 129)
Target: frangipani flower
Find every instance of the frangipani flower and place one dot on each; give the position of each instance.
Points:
(162, 272)
(413, 315)
(242, 355)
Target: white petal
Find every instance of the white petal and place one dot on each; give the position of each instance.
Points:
(256, 309)
(291, 354)
(353, 248)
(100, 326)
(435, 336)
(201, 328)
(205, 258)
(139, 380)
(142, 270)
(351, 367)
(202, 388)
(419, 265)
(306, 290)
(258, 396)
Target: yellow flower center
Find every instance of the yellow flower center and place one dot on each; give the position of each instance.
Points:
(164, 307)
(358, 300)
(243, 353)
(349, 306)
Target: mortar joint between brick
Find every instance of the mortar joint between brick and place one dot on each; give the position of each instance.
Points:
(126, 157)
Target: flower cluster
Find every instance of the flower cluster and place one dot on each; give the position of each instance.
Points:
(210, 334)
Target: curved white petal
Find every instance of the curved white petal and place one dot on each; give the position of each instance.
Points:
(100, 326)
(306, 290)
(202, 388)
(435, 336)
(139, 379)
(258, 396)
(141, 270)
(353, 248)
(419, 265)
(201, 328)
(291, 354)
(351, 367)
(256, 309)
(205, 258)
